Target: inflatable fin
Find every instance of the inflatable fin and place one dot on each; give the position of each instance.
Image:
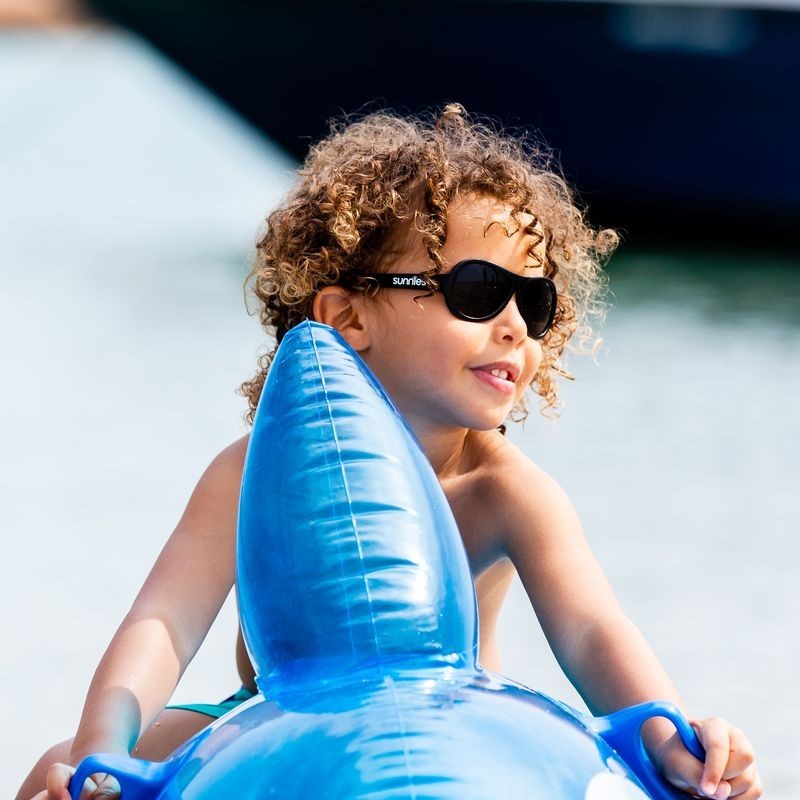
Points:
(348, 555)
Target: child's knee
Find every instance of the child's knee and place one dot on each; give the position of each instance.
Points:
(170, 730)
(37, 779)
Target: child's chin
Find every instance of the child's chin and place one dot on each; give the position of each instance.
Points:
(491, 424)
(483, 419)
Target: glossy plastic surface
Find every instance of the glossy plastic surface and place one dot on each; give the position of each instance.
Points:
(348, 554)
(360, 615)
(622, 730)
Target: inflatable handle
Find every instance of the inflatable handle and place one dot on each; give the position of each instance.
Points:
(622, 730)
(139, 780)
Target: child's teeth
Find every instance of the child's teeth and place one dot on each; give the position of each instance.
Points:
(500, 373)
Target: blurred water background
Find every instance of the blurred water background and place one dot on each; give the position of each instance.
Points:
(129, 203)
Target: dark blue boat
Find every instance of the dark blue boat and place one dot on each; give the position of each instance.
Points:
(674, 121)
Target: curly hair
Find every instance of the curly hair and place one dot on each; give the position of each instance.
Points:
(374, 177)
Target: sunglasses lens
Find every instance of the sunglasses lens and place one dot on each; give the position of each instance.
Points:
(537, 305)
(479, 291)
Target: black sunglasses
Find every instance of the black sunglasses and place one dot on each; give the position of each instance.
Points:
(478, 290)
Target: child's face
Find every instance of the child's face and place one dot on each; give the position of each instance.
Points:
(437, 368)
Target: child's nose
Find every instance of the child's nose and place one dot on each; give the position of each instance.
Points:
(511, 323)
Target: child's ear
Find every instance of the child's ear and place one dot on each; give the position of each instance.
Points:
(342, 310)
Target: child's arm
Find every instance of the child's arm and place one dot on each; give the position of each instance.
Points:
(598, 647)
(168, 619)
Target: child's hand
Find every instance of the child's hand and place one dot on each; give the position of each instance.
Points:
(729, 769)
(58, 777)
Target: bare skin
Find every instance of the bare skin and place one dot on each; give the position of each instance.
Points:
(455, 382)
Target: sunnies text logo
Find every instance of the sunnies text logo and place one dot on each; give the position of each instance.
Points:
(408, 280)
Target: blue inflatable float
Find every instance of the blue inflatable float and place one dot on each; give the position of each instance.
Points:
(359, 613)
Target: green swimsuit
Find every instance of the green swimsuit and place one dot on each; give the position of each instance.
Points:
(219, 709)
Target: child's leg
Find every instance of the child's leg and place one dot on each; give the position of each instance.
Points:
(172, 728)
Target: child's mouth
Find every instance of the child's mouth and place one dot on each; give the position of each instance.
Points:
(498, 378)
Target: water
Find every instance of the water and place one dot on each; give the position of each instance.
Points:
(130, 201)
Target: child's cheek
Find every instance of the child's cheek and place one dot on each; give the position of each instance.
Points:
(533, 359)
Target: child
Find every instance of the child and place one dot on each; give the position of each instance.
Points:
(428, 246)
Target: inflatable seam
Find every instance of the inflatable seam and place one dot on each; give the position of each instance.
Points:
(356, 536)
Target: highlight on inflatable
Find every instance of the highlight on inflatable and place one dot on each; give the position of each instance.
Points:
(359, 613)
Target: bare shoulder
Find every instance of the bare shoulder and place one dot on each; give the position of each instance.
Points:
(509, 507)
(231, 458)
(199, 557)
(539, 530)
(226, 467)
(528, 502)
(217, 491)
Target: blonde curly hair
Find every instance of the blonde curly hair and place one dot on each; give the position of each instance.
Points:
(373, 177)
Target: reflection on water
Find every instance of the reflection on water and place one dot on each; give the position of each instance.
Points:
(732, 289)
(125, 230)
